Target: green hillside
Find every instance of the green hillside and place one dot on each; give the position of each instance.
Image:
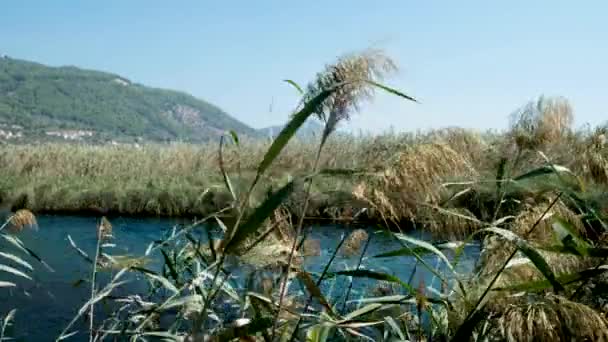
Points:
(42, 101)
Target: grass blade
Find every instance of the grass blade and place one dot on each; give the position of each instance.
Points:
(391, 90)
(171, 266)
(6, 321)
(567, 235)
(403, 252)
(17, 260)
(295, 85)
(17, 243)
(376, 276)
(225, 176)
(235, 137)
(163, 281)
(290, 130)
(427, 246)
(80, 252)
(543, 170)
(255, 221)
(12, 270)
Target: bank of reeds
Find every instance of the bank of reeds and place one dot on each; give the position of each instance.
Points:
(531, 195)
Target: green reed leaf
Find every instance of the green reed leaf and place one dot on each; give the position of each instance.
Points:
(295, 85)
(297, 120)
(391, 90)
(529, 251)
(256, 220)
(225, 176)
(377, 276)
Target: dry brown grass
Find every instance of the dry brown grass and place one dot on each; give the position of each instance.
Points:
(541, 123)
(544, 233)
(550, 318)
(496, 249)
(23, 219)
(413, 179)
(353, 242)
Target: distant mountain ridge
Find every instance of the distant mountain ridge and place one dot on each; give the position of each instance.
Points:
(310, 129)
(69, 103)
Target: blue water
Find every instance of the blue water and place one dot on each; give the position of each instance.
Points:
(46, 304)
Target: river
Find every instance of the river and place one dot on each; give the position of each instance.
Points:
(47, 303)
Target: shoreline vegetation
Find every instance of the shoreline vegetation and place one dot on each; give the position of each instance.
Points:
(533, 195)
(400, 178)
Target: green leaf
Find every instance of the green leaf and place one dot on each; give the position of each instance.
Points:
(377, 276)
(318, 333)
(427, 246)
(395, 327)
(391, 90)
(543, 170)
(360, 312)
(532, 254)
(594, 252)
(171, 266)
(225, 176)
(163, 281)
(256, 220)
(197, 300)
(235, 137)
(567, 235)
(394, 299)
(295, 85)
(290, 130)
(406, 251)
(14, 271)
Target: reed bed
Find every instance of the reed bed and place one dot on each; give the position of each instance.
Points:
(531, 195)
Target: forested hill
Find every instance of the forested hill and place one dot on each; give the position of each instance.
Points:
(69, 103)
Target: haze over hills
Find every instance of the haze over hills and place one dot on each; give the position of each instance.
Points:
(310, 129)
(39, 102)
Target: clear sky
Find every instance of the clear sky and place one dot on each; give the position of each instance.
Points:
(470, 63)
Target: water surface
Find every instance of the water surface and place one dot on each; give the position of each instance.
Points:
(46, 304)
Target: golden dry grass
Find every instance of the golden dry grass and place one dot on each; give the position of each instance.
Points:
(413, 182)
(550, 318)
(22, 219)
(544, 232)
(541, 123)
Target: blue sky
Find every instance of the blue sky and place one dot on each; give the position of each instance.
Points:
(470, 63)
